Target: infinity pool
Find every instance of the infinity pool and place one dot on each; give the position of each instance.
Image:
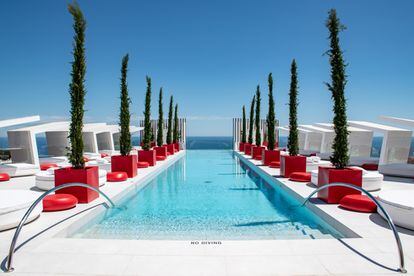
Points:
(209, 195)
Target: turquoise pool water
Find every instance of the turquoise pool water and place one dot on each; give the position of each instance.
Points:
(209, 195)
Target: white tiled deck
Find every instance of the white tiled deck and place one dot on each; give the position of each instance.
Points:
(51, 254)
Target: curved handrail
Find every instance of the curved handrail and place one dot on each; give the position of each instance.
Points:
(9, 267)
(387, 216)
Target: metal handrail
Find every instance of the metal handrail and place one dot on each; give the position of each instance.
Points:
(9, 267)
(387, 216)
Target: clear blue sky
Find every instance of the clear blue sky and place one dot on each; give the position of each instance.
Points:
(209, 54)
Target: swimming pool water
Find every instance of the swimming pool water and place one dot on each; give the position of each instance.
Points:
(209, 195)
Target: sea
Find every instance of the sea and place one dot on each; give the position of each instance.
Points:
(207, 143)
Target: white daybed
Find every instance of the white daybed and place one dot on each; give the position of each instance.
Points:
(313, 162)
(397, 169)
(399, 205)
(19, 169)
(371, 180)
(14, 204)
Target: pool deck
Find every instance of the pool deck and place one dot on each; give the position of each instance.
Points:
(51, 253)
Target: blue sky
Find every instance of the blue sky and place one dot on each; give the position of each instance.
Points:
(209, 54)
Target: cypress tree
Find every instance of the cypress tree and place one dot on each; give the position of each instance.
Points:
(77, 88)
(258, 136)
(271, 116)
(175, 132)
(124, 114)
(170, 118)
(243, 138)
(251, 120)
(147, 117)
(293, 143)
(340, 155)
(160, 138)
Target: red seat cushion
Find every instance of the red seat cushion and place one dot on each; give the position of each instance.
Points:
(160, 157)
(258, 157)
(4, 177)
(46, 166)
(116, 176)
(103, 155)
(300, 176)
(358, 203)
(59, 202)
(370, 167)
(274, 164)
(142, 164)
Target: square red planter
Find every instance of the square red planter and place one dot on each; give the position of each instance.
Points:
(160, 151)
(258, 151)
(248, 149)
(88, 175)
(290, 164)
(147, 156)
(241, 146)
(127, 163)
(271, 156)
(170, 149)
(328, 175)
(177, 147)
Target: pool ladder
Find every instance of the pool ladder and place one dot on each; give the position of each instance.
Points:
(391, 224)
(9, 264)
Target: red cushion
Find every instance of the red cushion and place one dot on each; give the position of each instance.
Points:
(116, 176)
(370, 167)
(168, 154)
(160, 157)
(103, 155)
(258, 157)
(4, 177)
(274, 164)
(142, 164)
(59, 202)
(46, 166)
(358, 203)
(300, 176)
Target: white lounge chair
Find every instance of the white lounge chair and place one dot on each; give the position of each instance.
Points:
(371, 180)
(14, 204)
(399, 205)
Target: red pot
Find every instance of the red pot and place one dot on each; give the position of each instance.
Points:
(170, 149)
(241, 146)
(248, 149)
(271, 156)
(290, 164)
(177, 147)
(160, 151)
(88, 175)
(127, 163)
(147, 156)
(257, 152)
(328, 175)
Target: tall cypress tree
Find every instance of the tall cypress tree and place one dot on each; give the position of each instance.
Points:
(160, 138)
(293, 142)
(170, 122)
(147, 117)
(251, 120)
(340, 155)
(258, 136)
(271, 116)
(243, 138)
(77, 88)
(175, 132)
(124, 114)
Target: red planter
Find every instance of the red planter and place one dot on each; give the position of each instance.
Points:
(241, 146)
(177, 147)
(147, 156)
(127, 163)
(170, 149)
(290, 164)
(271, 156)
(88, 175)
(257, 151)
(160, 151)
(248, 149)
(328, 175)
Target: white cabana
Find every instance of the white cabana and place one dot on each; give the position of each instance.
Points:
(302, 135)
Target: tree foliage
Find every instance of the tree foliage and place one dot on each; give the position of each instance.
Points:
(147, 117)
(124, 114)
(293, 141)
(170, 122)
(176, 134)
(251, 120)
(243, 134)
(257, 121)
(160, 138)
(340, 155)
(271, 118)
(77, 88)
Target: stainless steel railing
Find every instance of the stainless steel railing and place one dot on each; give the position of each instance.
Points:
(9, 267)
(387, 216)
